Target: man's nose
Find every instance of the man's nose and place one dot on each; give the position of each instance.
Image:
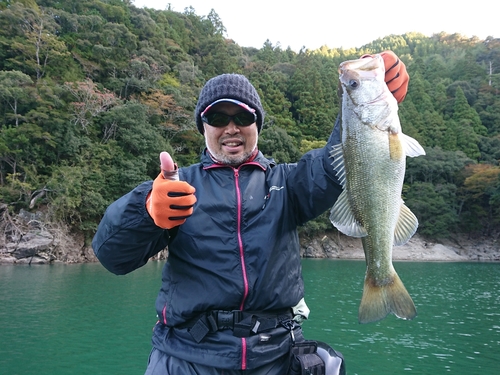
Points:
(232, 127)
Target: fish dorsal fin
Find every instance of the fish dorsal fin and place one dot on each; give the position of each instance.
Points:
(338, 162)
(411, 146)
(406, 226)
(343, 218)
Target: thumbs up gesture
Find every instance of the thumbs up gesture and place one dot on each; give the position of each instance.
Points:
(171, 201)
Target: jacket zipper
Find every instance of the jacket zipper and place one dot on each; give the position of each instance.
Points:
(243, 266)
(240, 240)
(164, 314)
(241, 249)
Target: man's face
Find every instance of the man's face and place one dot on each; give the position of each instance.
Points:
(231, 144)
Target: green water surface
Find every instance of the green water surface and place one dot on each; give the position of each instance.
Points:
(80, 319)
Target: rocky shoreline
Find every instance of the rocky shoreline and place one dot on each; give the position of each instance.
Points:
(418, 249)
(27, 239)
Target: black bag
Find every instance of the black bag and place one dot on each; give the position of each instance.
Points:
(305, 359)
(315, 358)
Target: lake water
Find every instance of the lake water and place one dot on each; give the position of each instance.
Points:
(80, 319)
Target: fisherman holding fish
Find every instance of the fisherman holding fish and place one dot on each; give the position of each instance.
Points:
(232, 294)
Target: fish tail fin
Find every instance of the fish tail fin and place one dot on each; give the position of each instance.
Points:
(380, 300)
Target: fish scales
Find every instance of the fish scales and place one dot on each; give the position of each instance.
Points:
(370, 163)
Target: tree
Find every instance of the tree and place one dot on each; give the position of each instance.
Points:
(14, 87)
(478, 196)
(138, 140)
(164, 111)
(90, 101)
(488, 109)
(276, 143)
(36, 42)
(140, 76)
(490, 150)
(436, 167)
(91, 91)
(463, 112)
(418, 117)
(463, 127)
(434, 206)
(19, 149)
(272, 87)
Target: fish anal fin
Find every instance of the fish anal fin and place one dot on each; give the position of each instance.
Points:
(343, 219)
(380, 300)
(405, 227)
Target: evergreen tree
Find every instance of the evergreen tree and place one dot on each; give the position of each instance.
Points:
(91, 91)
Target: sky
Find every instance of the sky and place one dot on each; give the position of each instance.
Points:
(340, 24)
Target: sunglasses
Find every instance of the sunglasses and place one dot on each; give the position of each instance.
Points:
(220, 120)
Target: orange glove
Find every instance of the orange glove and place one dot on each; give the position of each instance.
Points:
(396, 76)
(170, 202)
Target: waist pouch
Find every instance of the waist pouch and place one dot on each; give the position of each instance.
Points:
(315, 358)
(305, 359)
(223, 349)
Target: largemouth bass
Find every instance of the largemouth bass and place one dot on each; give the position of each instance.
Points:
(370, 163)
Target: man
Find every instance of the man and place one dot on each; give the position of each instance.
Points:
(232, 290)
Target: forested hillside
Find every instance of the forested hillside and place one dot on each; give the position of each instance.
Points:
(92, 90)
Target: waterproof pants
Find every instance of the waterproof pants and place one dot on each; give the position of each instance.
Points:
(162, 364)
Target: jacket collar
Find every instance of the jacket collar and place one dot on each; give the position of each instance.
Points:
(257, 159)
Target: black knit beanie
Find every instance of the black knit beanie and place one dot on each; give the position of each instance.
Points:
(229, 86)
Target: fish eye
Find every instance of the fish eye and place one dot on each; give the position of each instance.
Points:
(353, 83)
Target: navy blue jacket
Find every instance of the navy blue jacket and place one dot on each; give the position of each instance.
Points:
(238, 251)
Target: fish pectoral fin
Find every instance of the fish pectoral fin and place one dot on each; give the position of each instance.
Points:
(343, 218)
(406, 226)
(338, 162)
(411, 146)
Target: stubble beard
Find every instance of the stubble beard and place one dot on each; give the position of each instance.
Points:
(231, 160)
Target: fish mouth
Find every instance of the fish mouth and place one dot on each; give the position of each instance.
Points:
(354, 71)
(366, 64)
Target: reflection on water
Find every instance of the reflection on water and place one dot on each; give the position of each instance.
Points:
(80, 319)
